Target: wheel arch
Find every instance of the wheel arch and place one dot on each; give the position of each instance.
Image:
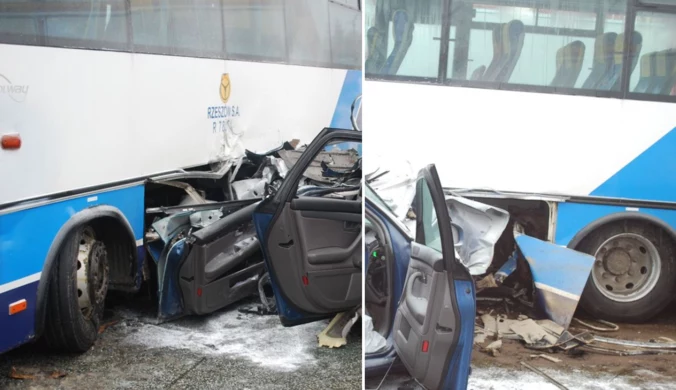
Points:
(120, 228)
(617, 217)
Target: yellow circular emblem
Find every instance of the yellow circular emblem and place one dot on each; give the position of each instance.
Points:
(225, 88)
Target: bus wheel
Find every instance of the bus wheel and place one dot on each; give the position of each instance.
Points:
(77, 292)
(633, 276)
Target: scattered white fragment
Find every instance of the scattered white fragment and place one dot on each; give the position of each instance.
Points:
(531, 332)
(547, 357)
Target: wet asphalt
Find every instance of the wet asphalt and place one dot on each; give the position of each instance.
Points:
(226, 350)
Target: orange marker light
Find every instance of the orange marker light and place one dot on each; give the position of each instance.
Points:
(17, 307)
(11, 142)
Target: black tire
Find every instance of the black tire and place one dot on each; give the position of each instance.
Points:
(66, 328)
(645, 308)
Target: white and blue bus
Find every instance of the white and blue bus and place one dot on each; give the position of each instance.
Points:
(562, 112)
(99, 96)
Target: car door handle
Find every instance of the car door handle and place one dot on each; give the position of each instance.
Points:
(333, 255)
(350, 226)
(416, 305)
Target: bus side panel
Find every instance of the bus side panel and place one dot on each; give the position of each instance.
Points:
(526, 141)
(160, 112)
(18, 328)
(25, 239)
(573, 217)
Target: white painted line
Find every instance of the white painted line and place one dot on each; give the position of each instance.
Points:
(556, 291)
(139, 242)
(92, 199)
(20, 282)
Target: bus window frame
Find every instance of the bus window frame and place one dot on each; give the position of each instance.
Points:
(41, 40)
(632, 7)
(636, 7)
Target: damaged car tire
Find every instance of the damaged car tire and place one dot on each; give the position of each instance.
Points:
(77, 291)
(633, 276)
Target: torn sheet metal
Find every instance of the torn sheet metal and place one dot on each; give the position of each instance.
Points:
(222, 168)
(478, 226)
(249, 188)
(335, 160)
(559, 276)
(394, 182)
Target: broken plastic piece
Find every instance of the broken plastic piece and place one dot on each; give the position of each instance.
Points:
(335, 334)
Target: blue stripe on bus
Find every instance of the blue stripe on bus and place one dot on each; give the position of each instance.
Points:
(26, 235)
(18, 328)
(573, 217)
(351, 89)
(650, 176)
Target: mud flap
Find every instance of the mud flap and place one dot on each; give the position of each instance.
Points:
(559, 276)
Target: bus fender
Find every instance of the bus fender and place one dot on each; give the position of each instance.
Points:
(75, 221)
(624, 215)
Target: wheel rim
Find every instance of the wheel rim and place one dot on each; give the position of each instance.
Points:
(627, 267)
(92, 273)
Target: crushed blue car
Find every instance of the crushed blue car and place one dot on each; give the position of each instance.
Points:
(422, 266)
(286, 221)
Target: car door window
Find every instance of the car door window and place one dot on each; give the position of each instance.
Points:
(335, 170)
(431, 236)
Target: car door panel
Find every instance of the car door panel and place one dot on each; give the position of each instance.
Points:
(312, 245)
(429, 329)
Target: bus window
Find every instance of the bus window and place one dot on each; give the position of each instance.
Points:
(549, 43)
(197, 28)
(402, 38)
(18, 24)
(345, 22)
(183, 27)
(656, 72)
(93, 24)
(307, 31)
(658, 2)
(255, 29)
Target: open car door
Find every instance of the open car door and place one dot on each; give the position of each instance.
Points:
(311, 240)
(434, 324)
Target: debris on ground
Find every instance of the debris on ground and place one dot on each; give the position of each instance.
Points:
(610, 326)
(546, 357)
(105, 326)
(335, 334)
(56, 374)
(16, 374)
(32, 373)
(549, 378)
(487, 282)
(532, 333)
(494, 348)
(545, 334)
